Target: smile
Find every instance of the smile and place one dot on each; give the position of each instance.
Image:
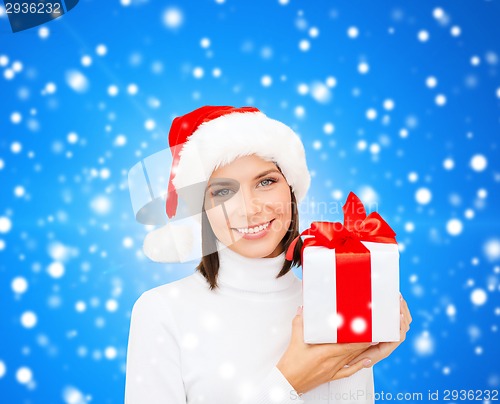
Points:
(255, 229)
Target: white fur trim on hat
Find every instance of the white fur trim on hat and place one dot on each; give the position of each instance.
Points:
(169, 243)
(220, 141)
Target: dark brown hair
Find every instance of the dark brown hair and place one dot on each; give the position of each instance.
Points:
(209, 264)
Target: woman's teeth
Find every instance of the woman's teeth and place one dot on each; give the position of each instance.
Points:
(255, 229)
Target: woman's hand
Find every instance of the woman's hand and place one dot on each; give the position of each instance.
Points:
(307, 366)
(384, 349)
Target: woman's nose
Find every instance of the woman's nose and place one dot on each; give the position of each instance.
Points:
(248, 204)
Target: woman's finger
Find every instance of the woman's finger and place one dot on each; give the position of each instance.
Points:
(406, 309)
(402, 329)
(406, 324)
(341, 349)
(407, 314)
(377, 353)
(349, 370)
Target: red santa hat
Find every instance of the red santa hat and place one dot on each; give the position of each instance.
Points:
(213, 136)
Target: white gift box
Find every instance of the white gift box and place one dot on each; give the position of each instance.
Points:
(319, 286)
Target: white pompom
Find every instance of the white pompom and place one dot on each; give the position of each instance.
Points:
(169, 243)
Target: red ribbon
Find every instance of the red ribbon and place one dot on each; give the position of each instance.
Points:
(353, 268)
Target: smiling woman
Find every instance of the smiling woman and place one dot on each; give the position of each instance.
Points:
(231, 332)
(256, 215)
(249, 211)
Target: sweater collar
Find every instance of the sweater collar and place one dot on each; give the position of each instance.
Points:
(252, 274)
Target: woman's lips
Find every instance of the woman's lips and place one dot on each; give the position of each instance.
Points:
(255, 235)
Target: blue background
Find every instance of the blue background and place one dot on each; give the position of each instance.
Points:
(70, 248)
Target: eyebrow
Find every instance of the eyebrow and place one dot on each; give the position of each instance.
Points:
(225, 183)
(272, 170)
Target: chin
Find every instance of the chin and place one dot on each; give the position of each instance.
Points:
(255, 248)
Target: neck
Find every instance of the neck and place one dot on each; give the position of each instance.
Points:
(252, 274)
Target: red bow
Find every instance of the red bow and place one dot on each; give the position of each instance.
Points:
(347, 237)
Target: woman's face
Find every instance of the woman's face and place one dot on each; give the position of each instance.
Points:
(248, 205)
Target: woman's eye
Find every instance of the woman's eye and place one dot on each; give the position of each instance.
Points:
(225, 192)
(268, 181)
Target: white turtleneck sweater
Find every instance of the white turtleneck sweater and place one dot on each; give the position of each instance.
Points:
(188, 344)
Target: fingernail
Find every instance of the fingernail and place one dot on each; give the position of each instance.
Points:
(374, 343)
(400, 297)
(402, 315)
(367, 363)
(299, 310)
